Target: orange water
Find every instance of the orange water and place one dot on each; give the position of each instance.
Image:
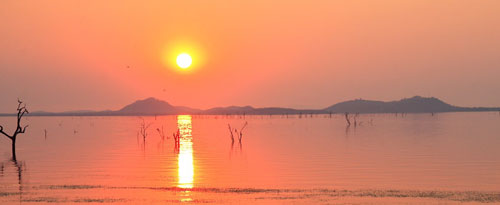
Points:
(281, 159)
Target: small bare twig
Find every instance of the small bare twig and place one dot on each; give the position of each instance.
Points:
(231, 131)
(241, 131)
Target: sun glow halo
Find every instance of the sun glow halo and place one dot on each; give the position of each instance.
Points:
(184, 60)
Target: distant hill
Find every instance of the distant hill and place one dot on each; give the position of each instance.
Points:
(229, 110)
(415, 104)
(148, 106)
(256, 111)
(153, 106)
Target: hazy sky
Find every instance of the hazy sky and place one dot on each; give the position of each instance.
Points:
(72, 55)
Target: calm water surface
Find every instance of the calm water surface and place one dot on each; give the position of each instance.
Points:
(416, 158)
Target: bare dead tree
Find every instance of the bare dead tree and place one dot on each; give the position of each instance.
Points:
(238, 134)
(161, 133)
(231, 131)
(162, 136)
(347, 118)
(21, 111)
(177, 138)
(144, 131)
(356, 119)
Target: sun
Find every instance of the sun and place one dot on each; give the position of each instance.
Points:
(184, 60)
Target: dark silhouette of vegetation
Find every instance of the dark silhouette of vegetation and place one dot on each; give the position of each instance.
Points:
(161, 132)
(347, 118)
(356, 120)
(144, 131)
(21, 111)
(177, 139)
(238, 134)
(231, 132)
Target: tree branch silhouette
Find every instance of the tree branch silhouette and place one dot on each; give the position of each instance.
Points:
(21, 111)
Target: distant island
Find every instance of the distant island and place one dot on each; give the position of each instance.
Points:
(153, 106)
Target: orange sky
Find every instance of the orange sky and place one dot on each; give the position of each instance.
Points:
(71, 55)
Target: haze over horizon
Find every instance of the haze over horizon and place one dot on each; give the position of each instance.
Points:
(63, 56)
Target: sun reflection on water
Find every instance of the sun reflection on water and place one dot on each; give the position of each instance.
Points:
(185, 157)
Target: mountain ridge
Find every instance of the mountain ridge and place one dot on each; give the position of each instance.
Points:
(416, 104)
(154, 106)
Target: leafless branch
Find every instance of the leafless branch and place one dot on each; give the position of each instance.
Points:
(21, 111)
(24, 129)
(245, 125)
(231, 131)
(7, 135)
(241, 131)
(238, 134)
(144, 129)
(347, 118)
(177, 138)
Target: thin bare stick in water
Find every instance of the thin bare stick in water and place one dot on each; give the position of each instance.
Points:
(231, 131)
(144, 131)
(241, 131)
(355, 119)
(161, 133)
(347, 119)
(21, 111)
(177, 136)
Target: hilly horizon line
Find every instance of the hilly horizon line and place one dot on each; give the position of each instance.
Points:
(155, 106)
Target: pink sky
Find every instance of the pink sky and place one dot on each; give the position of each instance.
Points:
(72, 55)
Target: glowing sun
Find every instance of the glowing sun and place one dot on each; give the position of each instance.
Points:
(184, 60)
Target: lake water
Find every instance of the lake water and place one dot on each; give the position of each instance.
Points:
(415, 158)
